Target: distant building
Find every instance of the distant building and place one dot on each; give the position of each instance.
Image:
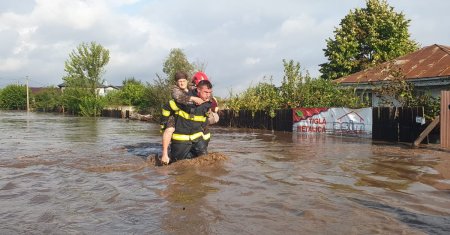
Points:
(37, 90)
(102, 89)
(428, 69)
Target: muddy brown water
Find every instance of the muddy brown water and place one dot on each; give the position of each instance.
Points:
(73, 175)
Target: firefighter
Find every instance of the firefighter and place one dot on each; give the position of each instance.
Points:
(189, 139)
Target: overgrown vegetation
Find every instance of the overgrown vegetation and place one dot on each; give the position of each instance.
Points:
(399, 92)
(48, 100)
(84, 70)
(13, 97)
(132, 94)
(296, 90)
(158, 92)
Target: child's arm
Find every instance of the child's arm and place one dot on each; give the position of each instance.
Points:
(180, 96)
(183, 97)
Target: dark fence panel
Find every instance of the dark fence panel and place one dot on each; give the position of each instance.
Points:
(261, 120)
(384, 124)
(283, 120)
(409, 129)
(397, 124)
(112, 113)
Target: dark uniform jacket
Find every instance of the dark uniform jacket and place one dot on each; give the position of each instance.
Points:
(190, 119)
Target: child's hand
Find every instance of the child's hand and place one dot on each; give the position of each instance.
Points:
(197, 100)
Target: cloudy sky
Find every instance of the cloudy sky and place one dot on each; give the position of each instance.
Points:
(240, 41)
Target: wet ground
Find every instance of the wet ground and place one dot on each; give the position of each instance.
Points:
(72, 175)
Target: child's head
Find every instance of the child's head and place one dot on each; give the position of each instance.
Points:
(181, 80)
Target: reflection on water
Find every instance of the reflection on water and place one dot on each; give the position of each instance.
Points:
(428, 223)
(63, 174)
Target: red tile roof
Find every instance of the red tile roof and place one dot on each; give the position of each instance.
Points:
(36, 90)
(429, 62)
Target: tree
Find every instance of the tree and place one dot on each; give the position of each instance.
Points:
(13, 97)
(175, 62)
(296, 90)
(158, 92)
(85, 66)
(84, 69)
(367, 37)
(264, 96)
(292, 83)
(133, 92)
(48, 100)
(397, 91)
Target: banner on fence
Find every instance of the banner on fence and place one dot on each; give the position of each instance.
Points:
(336, 121)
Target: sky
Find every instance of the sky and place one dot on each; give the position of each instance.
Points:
(241, 42)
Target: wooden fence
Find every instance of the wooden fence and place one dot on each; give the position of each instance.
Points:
(399, 124)
(388, 124)
(115, 113)
(445, 119)
(282, 121)
(395, 124)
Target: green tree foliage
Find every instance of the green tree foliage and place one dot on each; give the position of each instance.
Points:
(114, 98)
(326, 93)
(84, 70)
(175, 62)
(263, 96)
(158, 92)
(399, 92)
(14, 97)
(91, 106)
(367, 37)
(72, 99)
(296, 90)
(292, 83)
(132, 93)
(85, 66)
(48, 100)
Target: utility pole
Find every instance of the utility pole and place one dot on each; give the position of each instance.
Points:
(28, 98)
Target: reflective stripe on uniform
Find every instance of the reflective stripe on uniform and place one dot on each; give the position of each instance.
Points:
(194, 118)
(207, 136)
(183, 137)
(184, 114)
(173, 105)
(165, 113)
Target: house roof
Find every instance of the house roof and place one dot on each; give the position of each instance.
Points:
(98, 86)
(36, 90)
(429, 62)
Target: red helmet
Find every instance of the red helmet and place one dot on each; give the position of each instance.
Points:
(199, 76)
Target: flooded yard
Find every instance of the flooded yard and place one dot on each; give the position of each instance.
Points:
(73, 175)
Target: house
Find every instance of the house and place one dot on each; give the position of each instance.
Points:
(37, 90)
(428, 69)
(102, 89)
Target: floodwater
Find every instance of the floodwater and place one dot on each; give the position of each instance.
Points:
(73, 175)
